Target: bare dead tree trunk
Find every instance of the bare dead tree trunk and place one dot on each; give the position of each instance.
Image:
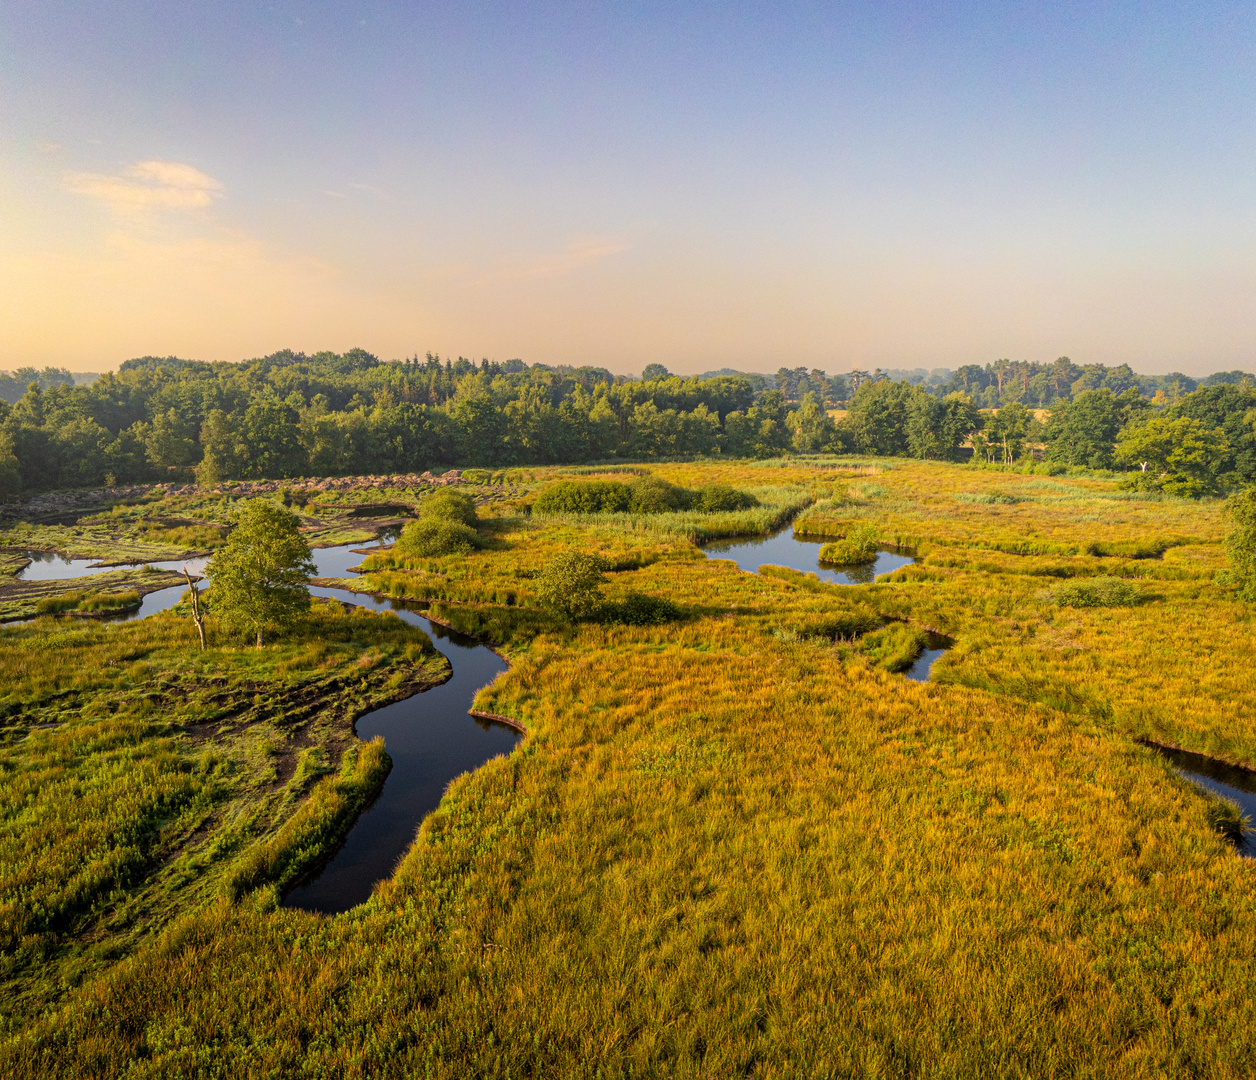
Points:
(259, 637)
(198, 616)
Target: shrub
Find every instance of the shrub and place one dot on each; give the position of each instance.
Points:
(838, 625)
(988, 498)
(449, 505)
(654, 495)
(1240, 543)
(571, 583)
(720, 498)
(587, 497)
(639, 609)
(859, 546)
(1094, 592)
(894, 646)
(437, 536)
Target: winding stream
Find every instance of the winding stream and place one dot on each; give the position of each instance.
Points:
(431, 740)
(429, 736)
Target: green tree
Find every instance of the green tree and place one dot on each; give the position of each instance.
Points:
(1083, 431)
(261, 578)
(10, 473)
(811, 426)
(571, 583)
(1007, 429)
(655, 372)
(1179, 456)
(877, 420)
(168, 443)
(1240, 543)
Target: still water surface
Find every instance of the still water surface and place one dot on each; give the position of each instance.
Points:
(1218, 778)
(784, 549)
(431, 740)
(429, 736)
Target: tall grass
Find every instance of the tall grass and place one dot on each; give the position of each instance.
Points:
(736, 844)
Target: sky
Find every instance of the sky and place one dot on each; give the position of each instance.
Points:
(842, 185)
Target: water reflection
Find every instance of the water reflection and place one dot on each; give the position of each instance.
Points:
(1218, 778)
(935, 646)
(785, 549)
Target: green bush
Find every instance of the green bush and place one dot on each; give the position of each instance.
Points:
(720, 498)
(435, 536)
(859, 546)
(639, 609)
(654, 495)
(838, 625)
(1094, 592)
(449, 505)
(571, 583)
(584, 497)
(1227, 820)
(647, 495)
(988, 498)
(894, 646)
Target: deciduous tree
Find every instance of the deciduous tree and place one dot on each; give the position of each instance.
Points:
(261, 578)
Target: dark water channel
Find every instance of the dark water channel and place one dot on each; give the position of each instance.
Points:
(431, 740)
(1218, 778)
(429, 736)
(784, 549)
(935, 646)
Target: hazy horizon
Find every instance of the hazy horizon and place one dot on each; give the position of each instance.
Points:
(704, 187)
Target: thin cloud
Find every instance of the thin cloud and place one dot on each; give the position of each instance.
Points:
(577, 255)
(168, 184)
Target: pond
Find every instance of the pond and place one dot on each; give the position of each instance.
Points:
(1218, 778)
(784, 549)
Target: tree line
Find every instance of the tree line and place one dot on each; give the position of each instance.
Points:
(290, 415)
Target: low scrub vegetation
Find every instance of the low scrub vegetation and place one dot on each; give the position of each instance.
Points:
(1102, 591)
(857, 548)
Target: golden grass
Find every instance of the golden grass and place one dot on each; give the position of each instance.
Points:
(731, 846)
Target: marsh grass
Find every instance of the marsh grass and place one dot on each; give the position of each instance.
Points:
(136, 768)
(736, 844)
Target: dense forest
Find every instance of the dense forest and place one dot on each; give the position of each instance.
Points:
(290, 414)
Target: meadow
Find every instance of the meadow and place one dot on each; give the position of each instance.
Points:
(738, 843)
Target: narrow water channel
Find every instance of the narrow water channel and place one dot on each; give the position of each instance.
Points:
(429, 736)
(431, 740)
(935, 646)
(1218, 778)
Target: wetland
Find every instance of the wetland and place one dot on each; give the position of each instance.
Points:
(805, 815)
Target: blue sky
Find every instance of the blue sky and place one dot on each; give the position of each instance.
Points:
(840, 185)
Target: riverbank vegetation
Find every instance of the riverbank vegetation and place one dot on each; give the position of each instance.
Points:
(141, 776)
(735, 841)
